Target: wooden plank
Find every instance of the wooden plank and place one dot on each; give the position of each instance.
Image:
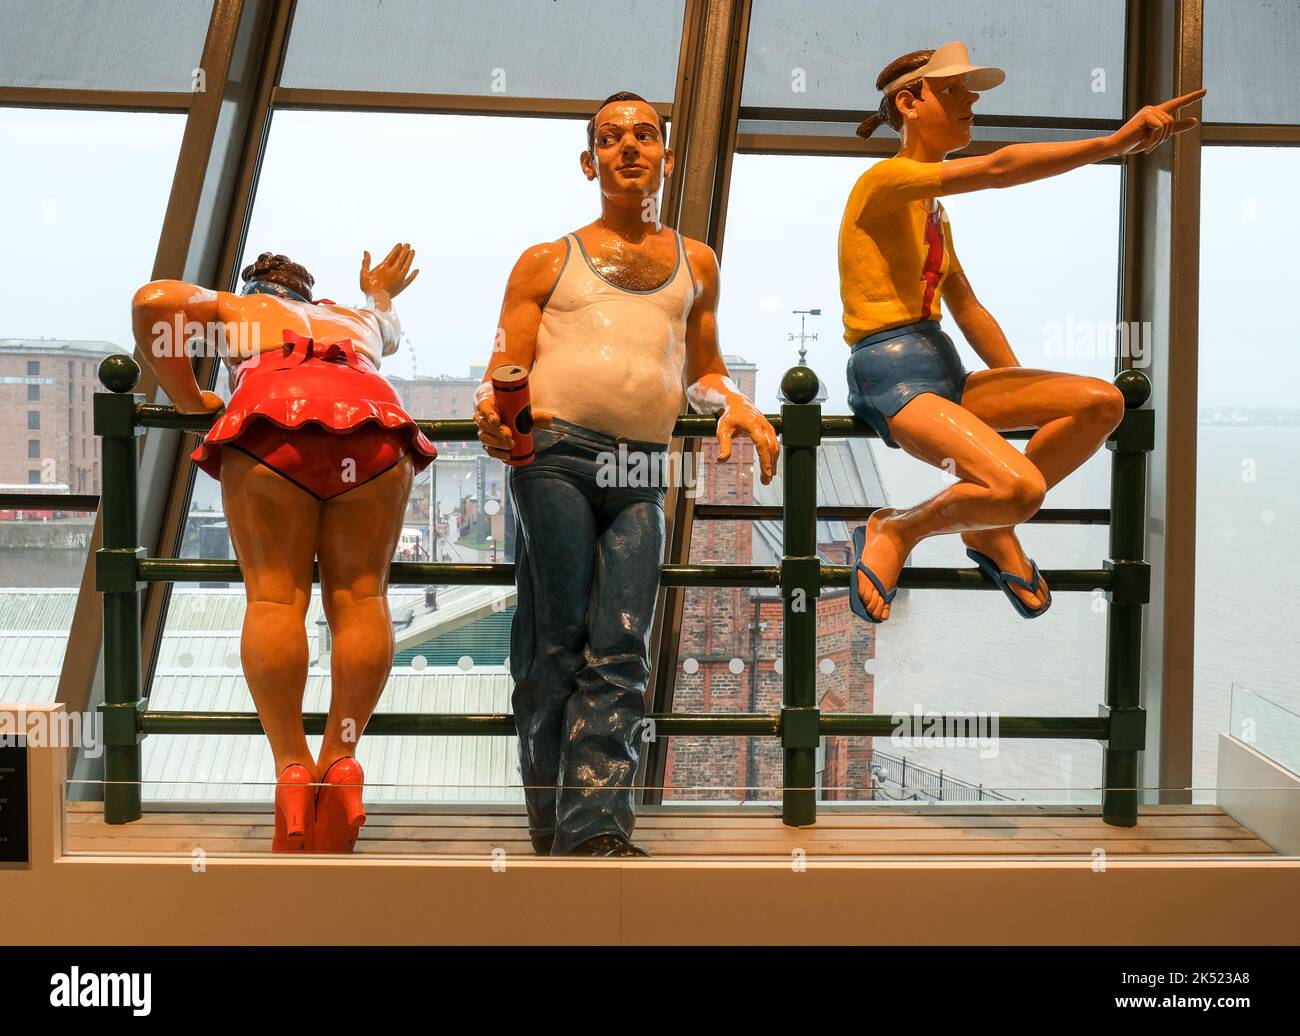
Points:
(871, 848)
(106, 836)
(1098, 833)
(453, 830)
(826, 810)
(1098, 838)
(658, 822)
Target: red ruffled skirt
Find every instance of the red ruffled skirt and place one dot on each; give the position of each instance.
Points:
(321, 416)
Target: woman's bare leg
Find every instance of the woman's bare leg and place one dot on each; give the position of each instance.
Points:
(1073, 414)
(359, 532)
(997, 487)
(273, 526)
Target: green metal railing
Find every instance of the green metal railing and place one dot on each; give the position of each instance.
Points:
(122, 571)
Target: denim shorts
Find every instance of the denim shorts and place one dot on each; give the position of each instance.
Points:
(889, 369)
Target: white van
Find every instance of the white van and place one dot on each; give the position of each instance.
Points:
(411, 546)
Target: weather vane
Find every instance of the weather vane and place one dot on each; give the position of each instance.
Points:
(804, 336)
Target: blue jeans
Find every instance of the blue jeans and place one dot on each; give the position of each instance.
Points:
(587, 573)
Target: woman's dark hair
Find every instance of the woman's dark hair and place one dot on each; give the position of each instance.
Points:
(280, 269)
(622, 95)
(888, 111)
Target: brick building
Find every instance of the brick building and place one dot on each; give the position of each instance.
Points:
(444, 398)
(46, 424)
(730, 653)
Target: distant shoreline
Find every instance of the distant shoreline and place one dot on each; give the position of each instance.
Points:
(1288, 420)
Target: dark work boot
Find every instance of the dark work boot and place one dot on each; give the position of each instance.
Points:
(607, 846)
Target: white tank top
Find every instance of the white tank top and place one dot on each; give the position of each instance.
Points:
(610, 358)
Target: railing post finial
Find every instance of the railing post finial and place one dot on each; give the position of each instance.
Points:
(119, 373)
(1134, 386)
(799, 384)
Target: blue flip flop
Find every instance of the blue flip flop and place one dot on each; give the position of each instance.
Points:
(855, 600)
(1005, 581)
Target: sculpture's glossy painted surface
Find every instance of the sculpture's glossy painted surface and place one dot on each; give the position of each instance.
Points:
(616, 324)
(897, 264)
(315, 456)
(513, 400)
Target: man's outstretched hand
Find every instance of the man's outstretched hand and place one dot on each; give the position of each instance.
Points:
(1155, 124)
(391, 277)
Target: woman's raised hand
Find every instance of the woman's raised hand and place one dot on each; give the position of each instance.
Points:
(393, 276)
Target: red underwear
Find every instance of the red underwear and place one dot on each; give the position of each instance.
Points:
(320, 416)
(322, 462)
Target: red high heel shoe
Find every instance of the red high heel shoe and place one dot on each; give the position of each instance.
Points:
(295, 810)
(340, 813)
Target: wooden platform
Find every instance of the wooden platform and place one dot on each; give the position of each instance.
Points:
(451, 832)
(877, 874)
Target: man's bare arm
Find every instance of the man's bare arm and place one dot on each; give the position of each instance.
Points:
(1024, 163)
(706, 373)
(983, 332)
(709, 385)
(527, 290)
(160, 312)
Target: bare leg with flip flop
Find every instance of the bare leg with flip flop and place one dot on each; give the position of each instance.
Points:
(905, 378)
(998, 486)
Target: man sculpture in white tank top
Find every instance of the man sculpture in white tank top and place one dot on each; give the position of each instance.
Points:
(617, 325)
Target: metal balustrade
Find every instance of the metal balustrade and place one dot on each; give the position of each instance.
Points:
(122, 571)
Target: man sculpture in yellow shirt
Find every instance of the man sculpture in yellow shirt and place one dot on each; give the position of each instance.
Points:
(905, 377)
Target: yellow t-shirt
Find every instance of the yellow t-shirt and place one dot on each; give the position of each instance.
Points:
(895, 248)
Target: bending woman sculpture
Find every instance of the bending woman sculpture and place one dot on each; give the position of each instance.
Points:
(315, 456)
(905, 378)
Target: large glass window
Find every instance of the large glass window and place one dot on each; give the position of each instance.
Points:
(82, 196)
(470, 193)
(445, 188)
(1248, 445)
(1044, 260)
